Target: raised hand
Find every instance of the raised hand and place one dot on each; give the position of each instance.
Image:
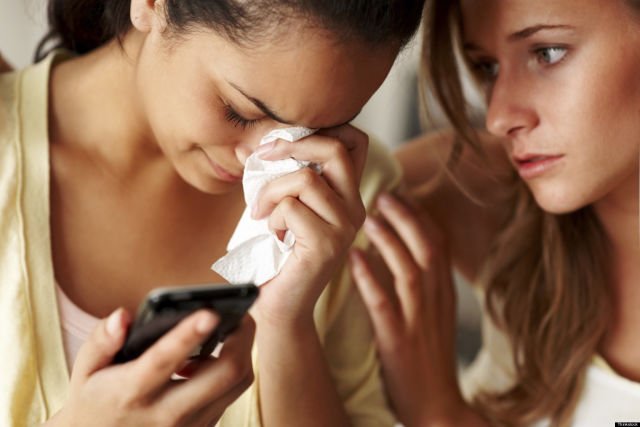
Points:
(414, 316)
(323, 211)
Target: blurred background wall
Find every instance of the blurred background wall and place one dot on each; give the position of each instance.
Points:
(391, 116)
(22, 24)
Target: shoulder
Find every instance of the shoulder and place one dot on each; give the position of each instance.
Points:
(23, 94)
(469, 200)
(427, 155)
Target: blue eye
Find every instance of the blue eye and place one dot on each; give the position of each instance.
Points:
(551, 55)
(236, 119)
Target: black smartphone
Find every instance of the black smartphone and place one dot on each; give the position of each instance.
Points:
(163, 308)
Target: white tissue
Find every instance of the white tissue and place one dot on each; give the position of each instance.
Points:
(254, 253)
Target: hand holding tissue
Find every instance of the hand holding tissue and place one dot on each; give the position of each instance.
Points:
(254, 253)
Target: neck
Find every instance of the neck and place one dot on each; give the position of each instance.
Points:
(620, 217)
(94, 107)
(619, 214)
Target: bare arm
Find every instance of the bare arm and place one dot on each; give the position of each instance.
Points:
(296, 386)
(323, 212)
(468, 227)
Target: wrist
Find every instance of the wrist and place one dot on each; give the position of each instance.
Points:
(284, 320)
(285, 326)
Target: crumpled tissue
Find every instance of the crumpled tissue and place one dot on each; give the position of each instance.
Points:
(254, 253)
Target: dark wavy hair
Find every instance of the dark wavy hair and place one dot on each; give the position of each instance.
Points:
(83, 25)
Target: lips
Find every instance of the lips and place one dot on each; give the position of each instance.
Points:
(224, 174)
(534, 165)
(221, 172)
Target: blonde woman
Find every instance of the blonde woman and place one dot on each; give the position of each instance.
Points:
(551, 237)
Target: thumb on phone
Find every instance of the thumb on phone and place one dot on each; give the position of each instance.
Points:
(105, 341)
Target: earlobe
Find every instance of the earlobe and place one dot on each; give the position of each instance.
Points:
(143, 14)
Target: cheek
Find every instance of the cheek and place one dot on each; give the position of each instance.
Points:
(179, 111)
(203, 124)
(615, 98)
(181, 119)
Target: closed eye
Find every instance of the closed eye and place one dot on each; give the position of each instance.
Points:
(236, 119)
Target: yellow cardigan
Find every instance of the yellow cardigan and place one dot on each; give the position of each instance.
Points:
(34, 381)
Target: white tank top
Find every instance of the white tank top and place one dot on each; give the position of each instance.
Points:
(77, 326)
(607, 397)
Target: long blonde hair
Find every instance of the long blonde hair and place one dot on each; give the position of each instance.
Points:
(546, 277)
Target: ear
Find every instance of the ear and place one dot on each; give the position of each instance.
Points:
(147, 14)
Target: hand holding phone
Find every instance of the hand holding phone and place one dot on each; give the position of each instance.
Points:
(143, 392)
(163, 308)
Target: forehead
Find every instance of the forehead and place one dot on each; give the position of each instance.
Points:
(306, 76)
(500, 18)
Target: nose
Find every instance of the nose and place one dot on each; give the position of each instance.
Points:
(510, 110)
(246, 146)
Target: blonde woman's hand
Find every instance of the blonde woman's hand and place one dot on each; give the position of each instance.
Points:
(4, 65)
(324, 212)
(414, 316)
(141, 392)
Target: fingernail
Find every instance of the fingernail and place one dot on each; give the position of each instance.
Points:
(265, 148)
(114, 323)
(205, 324)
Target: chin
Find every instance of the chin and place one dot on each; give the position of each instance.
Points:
(205, 183)
(559, 202)
(211, 186)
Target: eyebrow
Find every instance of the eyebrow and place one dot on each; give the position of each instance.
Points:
(529, 31)
(262, 106)
(269, 112)
(524, 34)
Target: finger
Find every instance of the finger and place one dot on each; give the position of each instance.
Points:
(217, 379)
(409, 227)
(312, 233)
(308, 187)
(407, 273)
(423, 240)
(383, 314)
(98, 351)
(356, 141)
(446, 298)
(338, 168)
(167, 355)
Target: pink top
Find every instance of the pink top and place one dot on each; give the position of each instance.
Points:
(77, 326)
